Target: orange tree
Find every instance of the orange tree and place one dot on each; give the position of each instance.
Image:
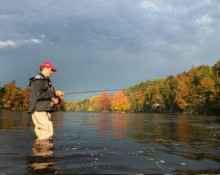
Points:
(103, 103)
(25, 99)
(12, 96)
(120, 102)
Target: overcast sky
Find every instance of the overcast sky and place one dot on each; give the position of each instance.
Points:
(106, 44)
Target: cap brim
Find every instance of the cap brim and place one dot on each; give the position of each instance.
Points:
(53, 69)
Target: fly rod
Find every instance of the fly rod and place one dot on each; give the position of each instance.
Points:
(94, 91)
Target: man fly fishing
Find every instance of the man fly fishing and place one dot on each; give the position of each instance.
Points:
(43, 100)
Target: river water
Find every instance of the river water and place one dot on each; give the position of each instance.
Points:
(91, 143)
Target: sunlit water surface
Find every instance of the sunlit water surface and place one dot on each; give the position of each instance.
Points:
(91, 143)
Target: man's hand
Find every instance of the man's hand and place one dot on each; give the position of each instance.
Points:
(55, 101)
(59, 93)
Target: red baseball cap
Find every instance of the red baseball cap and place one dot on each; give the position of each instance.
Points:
(49, 65)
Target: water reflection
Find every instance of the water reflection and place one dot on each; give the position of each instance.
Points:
(16, 129)
(120, 124)
(10, 120)
(102, 125)
(41, 162)
(182, 129)
(57, 118)
(111, 143)
(161, 129)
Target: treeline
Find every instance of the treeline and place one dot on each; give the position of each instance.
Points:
(13, 97)
(193, 92)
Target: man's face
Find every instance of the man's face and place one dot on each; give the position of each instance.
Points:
(47, 72)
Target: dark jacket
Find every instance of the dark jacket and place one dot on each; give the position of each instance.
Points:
(40, 94)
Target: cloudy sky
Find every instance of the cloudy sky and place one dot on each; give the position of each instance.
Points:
(106, 44)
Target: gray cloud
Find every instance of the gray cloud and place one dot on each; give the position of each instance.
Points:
(106, 44)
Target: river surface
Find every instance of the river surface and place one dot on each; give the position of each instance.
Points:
(91, 143)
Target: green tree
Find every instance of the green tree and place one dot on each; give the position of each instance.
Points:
(93, 104)
(169, 92)
(137, 99)
(202, 89)
(216, 70)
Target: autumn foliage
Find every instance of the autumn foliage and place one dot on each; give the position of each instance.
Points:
(194, 92)
(103, 103)
(120, 102)
(183, 91)
(13, 97)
